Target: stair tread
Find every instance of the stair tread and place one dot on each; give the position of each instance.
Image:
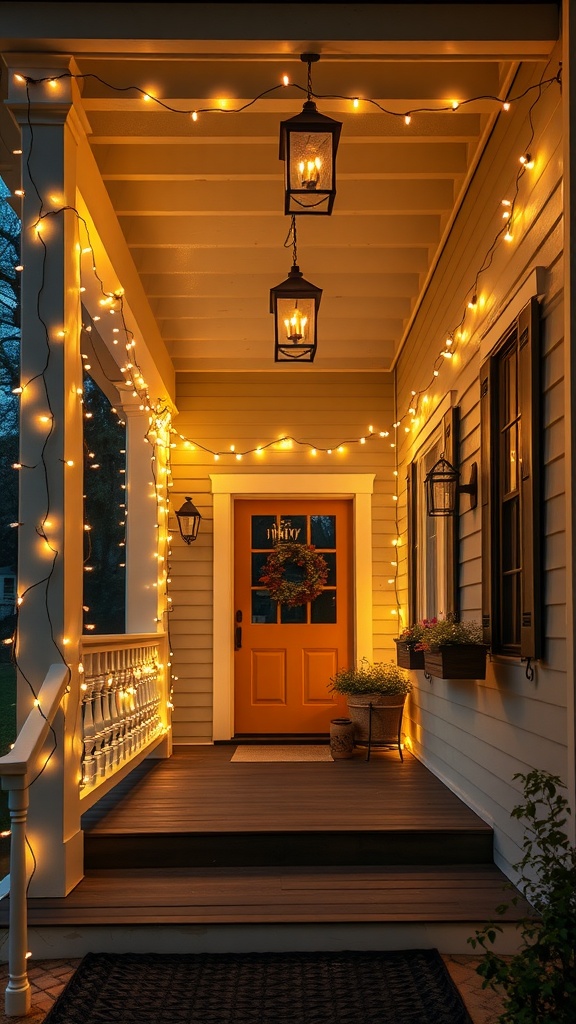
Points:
(242, 895)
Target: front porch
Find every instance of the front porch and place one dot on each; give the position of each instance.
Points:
(199, 852)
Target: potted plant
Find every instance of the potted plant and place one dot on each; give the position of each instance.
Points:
(409, 653)
(454, 650)
(375, 694)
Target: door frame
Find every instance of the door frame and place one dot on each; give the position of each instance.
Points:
(228, 488)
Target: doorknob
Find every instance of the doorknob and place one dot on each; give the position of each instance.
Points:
(238, 632)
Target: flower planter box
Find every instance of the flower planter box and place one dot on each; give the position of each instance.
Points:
(407, 656)
(456, 661)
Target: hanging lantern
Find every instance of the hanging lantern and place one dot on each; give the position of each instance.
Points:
(188, 521)
(308, 145)
(295, 304)
(441, 485)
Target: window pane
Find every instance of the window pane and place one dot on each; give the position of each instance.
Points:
(293, 529)
(324, 607)
(510, 390)
(323, 531)
(511, 610)
(330, 560)
(511, 535)
(263, 609)
(264, 531)
(258, 563)
(291, 616)
(510, 459)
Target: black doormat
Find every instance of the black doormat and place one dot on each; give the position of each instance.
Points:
(407, 987)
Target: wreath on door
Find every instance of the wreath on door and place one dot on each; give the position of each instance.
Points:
(302, 562)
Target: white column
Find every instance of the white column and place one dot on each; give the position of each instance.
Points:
(51, 543)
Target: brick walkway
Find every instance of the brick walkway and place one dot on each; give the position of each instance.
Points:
(48, 978)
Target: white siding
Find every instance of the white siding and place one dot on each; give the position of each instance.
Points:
(477, 735)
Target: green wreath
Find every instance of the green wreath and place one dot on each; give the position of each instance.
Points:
(314, 573)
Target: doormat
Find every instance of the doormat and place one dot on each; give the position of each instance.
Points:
(293, 752)
(411, 986)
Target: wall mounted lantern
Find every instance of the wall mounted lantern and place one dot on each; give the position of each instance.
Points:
(188, 521)
(443, 488)
(295, 303)
(308, 145)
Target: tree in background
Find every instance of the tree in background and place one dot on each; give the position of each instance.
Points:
(9, 403)
(104, 513)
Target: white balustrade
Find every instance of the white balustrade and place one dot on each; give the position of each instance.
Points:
(123, 701)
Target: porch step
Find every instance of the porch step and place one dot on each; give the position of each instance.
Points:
(258, 909)
(333, 847)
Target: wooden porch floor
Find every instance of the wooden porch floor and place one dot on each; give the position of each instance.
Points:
(202, 840)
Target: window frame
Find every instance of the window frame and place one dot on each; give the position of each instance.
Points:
(522, 334)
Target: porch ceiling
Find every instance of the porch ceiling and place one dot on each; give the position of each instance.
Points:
(201, 204)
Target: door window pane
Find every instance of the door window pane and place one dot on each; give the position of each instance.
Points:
(258, 563)
(264, 532)
(330, 559)
(324, 607)
(292, 530)
(323, 531)
(292, 616)
(263, 609)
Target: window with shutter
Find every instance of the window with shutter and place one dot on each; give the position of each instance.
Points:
(510, 419)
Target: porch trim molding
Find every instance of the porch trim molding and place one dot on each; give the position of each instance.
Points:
(228, 488)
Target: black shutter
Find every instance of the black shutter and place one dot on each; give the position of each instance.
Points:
(487, 497)
(451, 429)
(529, 396)
(412, 509)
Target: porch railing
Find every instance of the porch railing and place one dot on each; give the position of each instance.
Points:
(14, 773)
(125, 716)
(124, 702)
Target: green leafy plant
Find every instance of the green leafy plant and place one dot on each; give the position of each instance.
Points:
(449, 632)
(539, 982)
(378, 677)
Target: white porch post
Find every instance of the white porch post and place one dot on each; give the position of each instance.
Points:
(51, 454)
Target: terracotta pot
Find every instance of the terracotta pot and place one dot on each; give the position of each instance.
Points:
(456, 661)
(341, 738)
(407, 657)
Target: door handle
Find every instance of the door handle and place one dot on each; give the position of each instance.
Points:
(238, 632)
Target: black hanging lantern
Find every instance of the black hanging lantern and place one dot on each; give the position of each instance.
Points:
(443, 487)
(295, 303)
(308, 145)
(188, 521)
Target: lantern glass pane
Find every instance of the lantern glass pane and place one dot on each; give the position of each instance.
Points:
(310, 166)
(188, 525)
(296, 321)
(444, 494)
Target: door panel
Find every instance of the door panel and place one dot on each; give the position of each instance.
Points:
(285, 656)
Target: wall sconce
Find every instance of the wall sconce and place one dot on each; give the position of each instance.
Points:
(295, 303)
(188, 521)
(308, 145)
(442, 488)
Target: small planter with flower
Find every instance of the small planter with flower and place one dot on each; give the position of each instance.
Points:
(409, 653)
(375, 694)
(454, 650)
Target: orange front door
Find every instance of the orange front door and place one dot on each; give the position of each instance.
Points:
(285, 656)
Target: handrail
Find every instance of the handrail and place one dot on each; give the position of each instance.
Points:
(14, 769)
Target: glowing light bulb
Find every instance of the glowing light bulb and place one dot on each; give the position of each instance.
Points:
(506, 106)
(356, 103)
(407, 119)
(285, 80)
(455, 104)
(194, 115)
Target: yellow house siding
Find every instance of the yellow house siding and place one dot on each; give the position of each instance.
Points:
(476, 735)
(247, 410)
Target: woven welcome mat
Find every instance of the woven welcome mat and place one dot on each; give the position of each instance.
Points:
(408, 987)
